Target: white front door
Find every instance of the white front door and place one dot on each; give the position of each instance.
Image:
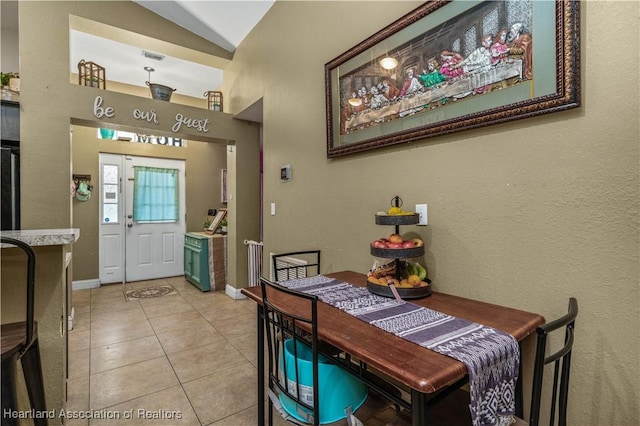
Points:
(154, 249)
(140, 248)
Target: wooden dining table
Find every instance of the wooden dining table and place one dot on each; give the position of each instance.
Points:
(423, 371)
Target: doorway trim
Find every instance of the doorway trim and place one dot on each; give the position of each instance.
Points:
(113, 250)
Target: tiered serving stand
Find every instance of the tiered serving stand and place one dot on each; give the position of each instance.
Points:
(398, 255)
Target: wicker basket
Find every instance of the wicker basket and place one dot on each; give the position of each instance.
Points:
(91, 74)
(214, 100)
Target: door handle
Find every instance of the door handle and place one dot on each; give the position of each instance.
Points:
(129, 225)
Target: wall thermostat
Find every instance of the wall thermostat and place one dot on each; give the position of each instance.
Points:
(285, 173)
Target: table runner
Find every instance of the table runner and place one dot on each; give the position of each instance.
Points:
(492, 357)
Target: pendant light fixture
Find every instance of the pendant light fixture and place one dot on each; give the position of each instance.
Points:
(388, 63)
(149, 70)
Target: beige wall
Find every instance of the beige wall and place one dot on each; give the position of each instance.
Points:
(51, 100)
(9, 44)
(52, 105)
(524, 214)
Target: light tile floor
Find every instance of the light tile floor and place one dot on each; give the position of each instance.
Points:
(183, 359)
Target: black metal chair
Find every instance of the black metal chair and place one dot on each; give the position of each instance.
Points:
(20, 342)
(291, 320)
(562, 366)
(453, 410)
(282, 325)
(295, 264)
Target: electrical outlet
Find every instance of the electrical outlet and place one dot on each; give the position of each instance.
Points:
(421, 209)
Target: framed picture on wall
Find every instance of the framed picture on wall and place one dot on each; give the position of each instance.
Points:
(449, 66)
(223, 182)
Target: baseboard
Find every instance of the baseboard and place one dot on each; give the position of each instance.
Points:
(234, 293)
(85, 284)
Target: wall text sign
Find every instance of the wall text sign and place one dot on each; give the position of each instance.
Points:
(99, 111)
(149, 117)
(198, 124)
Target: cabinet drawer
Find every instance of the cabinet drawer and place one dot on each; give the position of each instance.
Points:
(192, 241)
(195, 249)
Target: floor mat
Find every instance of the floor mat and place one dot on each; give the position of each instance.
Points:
(150, 292)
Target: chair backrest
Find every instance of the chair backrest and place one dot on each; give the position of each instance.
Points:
(295, 264)
(562, 364)
(31, 274)
(291, 320)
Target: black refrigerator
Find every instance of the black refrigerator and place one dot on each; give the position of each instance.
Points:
(10, 166)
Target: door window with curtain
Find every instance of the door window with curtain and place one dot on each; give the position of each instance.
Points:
(155, 194)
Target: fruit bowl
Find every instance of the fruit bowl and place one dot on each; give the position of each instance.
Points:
(403, 219)
(397, 253)
(404, 292)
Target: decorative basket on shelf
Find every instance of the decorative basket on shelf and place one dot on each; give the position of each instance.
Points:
(91, 74)
(214, 100)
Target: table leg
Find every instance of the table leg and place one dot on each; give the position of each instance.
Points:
(418, 408)
(260, 366)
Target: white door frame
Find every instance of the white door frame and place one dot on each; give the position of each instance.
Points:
(139, 251)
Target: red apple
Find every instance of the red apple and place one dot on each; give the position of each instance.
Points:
(379, 244)
(408, 244)
(395, 238)
(394, 245)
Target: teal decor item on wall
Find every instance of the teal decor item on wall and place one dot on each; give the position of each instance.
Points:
(83, 193)
(107, 133)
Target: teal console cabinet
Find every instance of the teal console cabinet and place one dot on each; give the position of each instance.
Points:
(205, 260)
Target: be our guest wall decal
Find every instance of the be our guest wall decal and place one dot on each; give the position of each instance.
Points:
(180, 120)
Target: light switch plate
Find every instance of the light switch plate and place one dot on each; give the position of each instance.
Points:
(285, 173)
(421, 209)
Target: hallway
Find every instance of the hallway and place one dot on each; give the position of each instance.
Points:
(187, 358)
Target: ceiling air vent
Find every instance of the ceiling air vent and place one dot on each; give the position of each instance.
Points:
(152, 55)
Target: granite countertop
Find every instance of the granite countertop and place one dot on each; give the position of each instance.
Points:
(44, 237)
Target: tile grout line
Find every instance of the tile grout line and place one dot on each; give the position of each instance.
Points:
(184, 391)
(190, 299)
(161, 347)
(182, 384)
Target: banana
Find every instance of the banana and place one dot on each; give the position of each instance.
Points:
(397, 211)
(422, 271)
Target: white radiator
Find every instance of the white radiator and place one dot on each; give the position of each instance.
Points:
(255, 261)
(287, 261)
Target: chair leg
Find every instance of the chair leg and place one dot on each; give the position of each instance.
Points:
(9, 393)
(32, 369)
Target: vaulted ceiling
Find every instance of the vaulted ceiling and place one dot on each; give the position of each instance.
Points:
(224, 23)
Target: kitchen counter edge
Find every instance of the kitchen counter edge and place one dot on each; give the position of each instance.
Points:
(43, 237)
